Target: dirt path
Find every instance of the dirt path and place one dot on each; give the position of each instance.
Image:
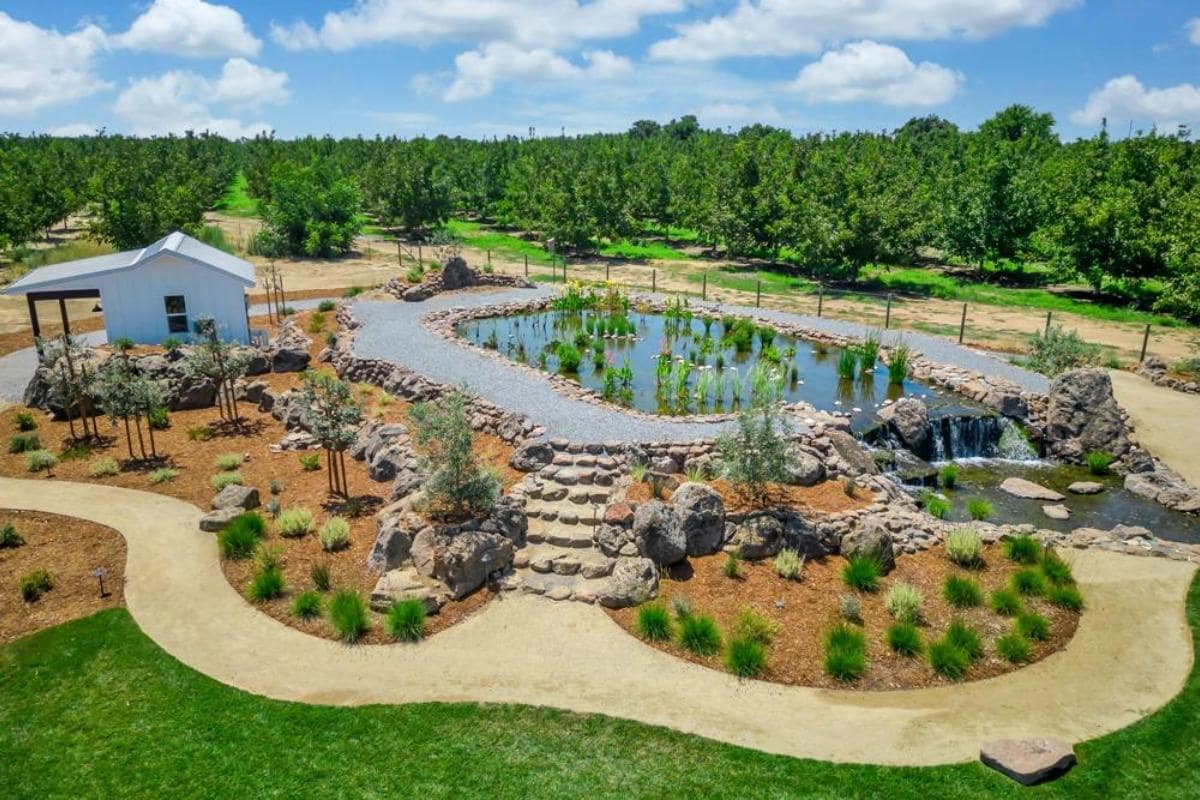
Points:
(1166, 422)
(531, 650)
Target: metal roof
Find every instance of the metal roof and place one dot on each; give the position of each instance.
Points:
(176, 243)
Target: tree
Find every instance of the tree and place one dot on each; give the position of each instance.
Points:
(407, 188)
(71, 380)
(127, 395)
(220, 362)
(455, 482)
(758, 453)
(312, 211)
(334, 415)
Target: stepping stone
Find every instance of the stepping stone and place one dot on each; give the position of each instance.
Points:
(567, 476)
(565, 566)
(1057, 512)
(578, 496)
(1028, 490)
(1028, 761)
(554, 493)
(1085, 487)
(559, 593)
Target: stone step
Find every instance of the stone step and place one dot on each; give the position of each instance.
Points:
(553, 586)
(547, 532)
(549, 558)
(565, 512)
(577, 475)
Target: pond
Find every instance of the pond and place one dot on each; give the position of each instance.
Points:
(678, 363)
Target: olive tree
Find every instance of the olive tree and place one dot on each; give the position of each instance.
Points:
(333, 415)
(456, 483)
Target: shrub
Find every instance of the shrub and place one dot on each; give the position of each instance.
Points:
(935, 505)
(1034, 626)
(348, 615)
(850, 608)
(24, 443)
(24, 421)
(406, 620)
(752, 626)
(104, 468)
(1014, 648)
(163, 474)
(353, 291)
(223, 479)
(171, 344)
(789, 564)
(267, 584)
(229, 461)
(948, 475)
(904, 639)
(415, 274)
(903, 602)
(698, 633)
(9, 536)
(654, 623)
(845, 653)
(307, 605)
(569, 358)
(1006, 602)
(238, 539)
(1022, 549)
(1057, 351)
(38, 460)
(1056, 570)
(964, 546)
(965, 638)
(862, 573)
(757, 453)
(200, 433)
(159, 418)
(1066, 596)
(745, 658)
(35, 584)
(1029, 582)
(325, 306)
(320, 577)
(979, 509)
(310, 462)
(733, 564)
(294, 521)
(1098, 461)
(335, 534)
(275, 486)
(962, 592)
(947, 660)
(455, 480)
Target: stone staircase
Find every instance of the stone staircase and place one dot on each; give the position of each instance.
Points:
(564, 503)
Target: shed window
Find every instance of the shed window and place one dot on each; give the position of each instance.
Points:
(177, 321)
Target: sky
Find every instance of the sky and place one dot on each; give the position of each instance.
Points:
(484, 68)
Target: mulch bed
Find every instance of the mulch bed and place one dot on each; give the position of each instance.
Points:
(69, 549)
(805, 610)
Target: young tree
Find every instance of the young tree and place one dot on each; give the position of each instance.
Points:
(456, 483)
(334, 416)
(71, 380)
(127, 395)
(220, 362)
(757, 454)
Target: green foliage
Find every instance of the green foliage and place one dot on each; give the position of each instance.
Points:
(406, 620)
(752, 626)
(1057, 351)
(38, 460)
(241, 536)
(569, 358)
(732, 566)
(294, 522)
(335, 534)
(455, 482)
(904, 602)
(1014, 648)
(307, 605)
(223, 479)
(847, 364)
(904, 639)
(25, 421)
(845, 653)
(964, 546)
(898, 364)
(1066, 596)
(9, 536)
(104, 467)
(159, 418)
(757, 454)
(325, 306)
(1033, 626)
(267, 584)
(310, 462)
(1098, 461)
(24, 443)
(162, 475)
(653, 622)
(348, 615)
(850, 608)
(200, 433)
(1029, 581)
(1023, 549)
(310, 211)
(935, 505)
(965, 638)
(789, 564)
(1006, 602)
(1056, 570)
(948, 475)
(229, 461)
(962, 592)
(868, 352)
(979, 509)
(320, 577)
(698, 633)
(35, 584)
(745, 657)
(862, 573)
(947, 660)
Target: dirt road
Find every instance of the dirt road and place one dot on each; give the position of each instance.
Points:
(1166, 422)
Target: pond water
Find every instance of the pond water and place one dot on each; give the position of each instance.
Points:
(710, 366)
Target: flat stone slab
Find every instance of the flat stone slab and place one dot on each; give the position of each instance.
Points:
(1029, 761)
(214, 521)
(1057, 511)
(1085, 487)
(1019, 487)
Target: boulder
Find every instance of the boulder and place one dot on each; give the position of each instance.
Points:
(701, 515)
(856, 457)
(395, 531)
(657, 533)
(908, 418)
(805, 469)
(463, 561)
(508, 516)
(216, 520)
(456, 274)
(760, 535)
(405, 584)
(531, 456)
(871, 539)
(1085, 487)
(633, 581)
(242, 498)
(1028, 761)
(191, 393)
(1083, 415)
(1028, 490)
(614, 540)
(290, 359)
(1058, 511)
(618, 513)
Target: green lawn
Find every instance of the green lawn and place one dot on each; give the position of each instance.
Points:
(236, 202)
(501, 244)
(95, 709)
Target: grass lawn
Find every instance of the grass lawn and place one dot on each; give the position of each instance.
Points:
(236, 202)
(93, 708)
(501, 244)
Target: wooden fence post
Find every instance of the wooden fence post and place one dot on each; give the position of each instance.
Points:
(489, 252)
(704, 286)
(962, 325)
(420, 256)
(1049, 314)
(758, 295)
(653, 281)
(527, 265)
(1145, 343)
(606, 273)
(399, 253)
(820, 299)
(887, 317)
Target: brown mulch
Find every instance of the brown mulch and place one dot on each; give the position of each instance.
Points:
(195, 461)
(69, 549)
(827, 498)
(805, 610)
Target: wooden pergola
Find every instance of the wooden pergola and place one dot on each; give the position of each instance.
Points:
(62, 296)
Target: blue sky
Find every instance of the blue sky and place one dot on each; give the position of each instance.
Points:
(492, 67)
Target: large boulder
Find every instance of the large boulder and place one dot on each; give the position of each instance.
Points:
(871, 539)
(214, 521)
(531, 456)
(190, 393)
(509, 520)
(657, 533)
(701, 515)
(463, 561)
(760, 535)
(804, 469)
(1083, 415)
(855, 458)
(289, 351)
(395, 531)
(397, 585)
(908, 419)
(236, 496)
(633, 581)
(457, 275)
(1028, 490)
(1028, 761)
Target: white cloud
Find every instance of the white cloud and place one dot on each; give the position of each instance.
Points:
(181, 100)
(41, 67)
(478, 71)
(870, 72)
(788, 27)
(75, 129)
(190, 28)
(1193, 29)
(246, 85)
(1126, 99)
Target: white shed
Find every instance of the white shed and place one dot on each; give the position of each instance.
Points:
(152, 293)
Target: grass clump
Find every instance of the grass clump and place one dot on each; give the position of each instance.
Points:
(979, 509)
(1034, 626)
(903, 602)
(947, 660)
(335, 534)
(325, 306)
(163, 474)
(1029, 582)
(348, 615)
(965, 638)
(862, 573)
(1056, 570)
(229, 461)
(1014, 648)
(850, 608)
(732, 568)
(962, 592)
(104, 468)
(307, 605)
(406, 620)
(789, 564)
(935, 505)
(24, 443)
(9, 536)
(1006, 602)
(1098, 461)
(948, 476)
(904, 639)
(320, 577)
(898, 364)
(654, 623)
(698, 633)
(745, 657)
(267, 584)
(35, 584)
(310, 462)
(224, 479)
(238, 539)
(845, 653)
(964, 547)
(294, 522)
(1022, 549)
(752, 626)
(200, 433)
(1066, 596)
(25, 421)
(41, 460)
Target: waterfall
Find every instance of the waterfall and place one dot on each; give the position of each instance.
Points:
(967, 436)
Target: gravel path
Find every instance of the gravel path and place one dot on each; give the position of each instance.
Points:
(392, 330)
(531, 650)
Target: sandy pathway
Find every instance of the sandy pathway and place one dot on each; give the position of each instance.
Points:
(1130, 655)
(1166, 422)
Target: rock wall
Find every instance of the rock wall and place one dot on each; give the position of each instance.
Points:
(455, 275)
(1156, 371)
